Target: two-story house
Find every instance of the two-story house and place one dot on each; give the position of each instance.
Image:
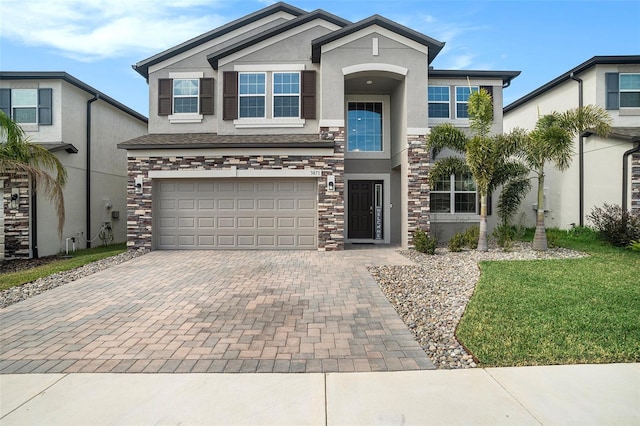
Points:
(81, 126)
(603, 170)
(288, 129)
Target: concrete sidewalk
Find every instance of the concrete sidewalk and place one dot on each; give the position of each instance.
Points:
(580, 395)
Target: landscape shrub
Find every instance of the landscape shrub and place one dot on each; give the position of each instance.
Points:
(424, 243)
(615, 226)
(635, 245)
(504, 235)
(457, 242)
(471, 237)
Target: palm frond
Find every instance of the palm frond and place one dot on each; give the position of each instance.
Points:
(511, 196)
(589, 117)
(445, 167)
(446, 136)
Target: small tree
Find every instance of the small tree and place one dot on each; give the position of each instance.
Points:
(18, 156)
(552, 141)
(487, 158)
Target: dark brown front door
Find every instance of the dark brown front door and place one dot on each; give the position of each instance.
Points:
(360, 209)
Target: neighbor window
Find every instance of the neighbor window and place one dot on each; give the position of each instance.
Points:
(286, 94)
(27, 106)
(439, 101)
(462, 100)
(629, 90)
(456, 194)
(185, 96)
(252, 93)
(364, 121)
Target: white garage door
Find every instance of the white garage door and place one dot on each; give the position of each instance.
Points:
(235, 213)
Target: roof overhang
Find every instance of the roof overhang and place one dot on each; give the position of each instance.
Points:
(434, 46)
(61, 146)
(213, 140)
(505, 76)
(629, 134)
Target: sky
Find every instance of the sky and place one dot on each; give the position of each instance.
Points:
(97, 41)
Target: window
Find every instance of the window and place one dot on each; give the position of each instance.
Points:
(185, 96)
(629, 90)
(286, 94)
(438, 101)
(364, 121)
(252, 93)
(456, 194)
(27, 106)
(462, 100)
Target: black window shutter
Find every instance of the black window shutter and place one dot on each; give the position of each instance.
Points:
(308, 93)
(612, 84)
(206, 96)
(489, 90)
(44, 107)
(229, 95)
(5, 101)
(165, 96)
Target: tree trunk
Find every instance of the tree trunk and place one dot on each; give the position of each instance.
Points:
(482, 240)
(540, 237)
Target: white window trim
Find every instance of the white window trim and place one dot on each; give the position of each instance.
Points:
(448, 103)
(185, 117)
(253, 95)
(35, 106)
(452, 200)
(456, 102)
(386, 132)
(274, 95)
(621, 90)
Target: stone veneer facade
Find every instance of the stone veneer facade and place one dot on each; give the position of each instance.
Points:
(635, 183)
(16, 219)
(418, 185)
(330, 204)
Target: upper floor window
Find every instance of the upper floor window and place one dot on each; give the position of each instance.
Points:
(455, 194)
(27, 106)
(438, 101)
(629, 90)
(462, 100)
(364, 124)
(286, 94)
(252, 93)
(185, 96)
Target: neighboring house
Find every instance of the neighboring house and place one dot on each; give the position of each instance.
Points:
(602, 170)
(82, 126)
(288, 129)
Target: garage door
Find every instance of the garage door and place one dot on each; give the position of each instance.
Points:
(235, 213)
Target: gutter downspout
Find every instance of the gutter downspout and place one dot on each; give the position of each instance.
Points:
(580, 154)
(88, 184)
(625, 173)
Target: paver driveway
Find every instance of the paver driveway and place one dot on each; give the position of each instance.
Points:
(215, 311)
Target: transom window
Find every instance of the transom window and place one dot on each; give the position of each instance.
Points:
(286, 94)
(629, 90)
(252, 94)
(185, 95)
(24, 105)
(457, 194)
(438, 101)
(462, 100)
(364, 122)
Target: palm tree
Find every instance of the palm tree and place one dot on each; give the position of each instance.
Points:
(552, 141)
(19, 156)
(487, 158)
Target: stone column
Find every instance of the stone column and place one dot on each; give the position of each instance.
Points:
(418, 185)
(331, 203)
(16, 217)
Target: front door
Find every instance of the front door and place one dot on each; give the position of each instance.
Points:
(362, 209)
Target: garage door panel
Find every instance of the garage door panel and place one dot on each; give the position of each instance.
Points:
(236, 214)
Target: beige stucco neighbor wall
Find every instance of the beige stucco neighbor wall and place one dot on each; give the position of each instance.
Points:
(602, 157)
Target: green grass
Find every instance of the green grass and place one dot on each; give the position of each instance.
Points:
(79, 258)
(557, 311)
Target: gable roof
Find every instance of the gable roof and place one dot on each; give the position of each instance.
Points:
(433, 45)
(505, 76)
(316, 14)
(596, 60)
(142, 67)
(61, 75)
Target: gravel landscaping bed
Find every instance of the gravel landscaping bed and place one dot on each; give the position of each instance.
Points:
(432, 295)
(25, 291)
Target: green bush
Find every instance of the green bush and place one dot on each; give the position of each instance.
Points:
(553, 237)
(471, 237)
(504, 235)
(614, 225)
(635, 245)
(457, 242)
(424, 243)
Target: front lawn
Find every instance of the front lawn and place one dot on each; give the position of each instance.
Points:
(77, 259)
(545, 312)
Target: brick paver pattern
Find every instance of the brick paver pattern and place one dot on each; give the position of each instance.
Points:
(215, 311)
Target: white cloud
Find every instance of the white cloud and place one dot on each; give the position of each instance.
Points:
(89, 30)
